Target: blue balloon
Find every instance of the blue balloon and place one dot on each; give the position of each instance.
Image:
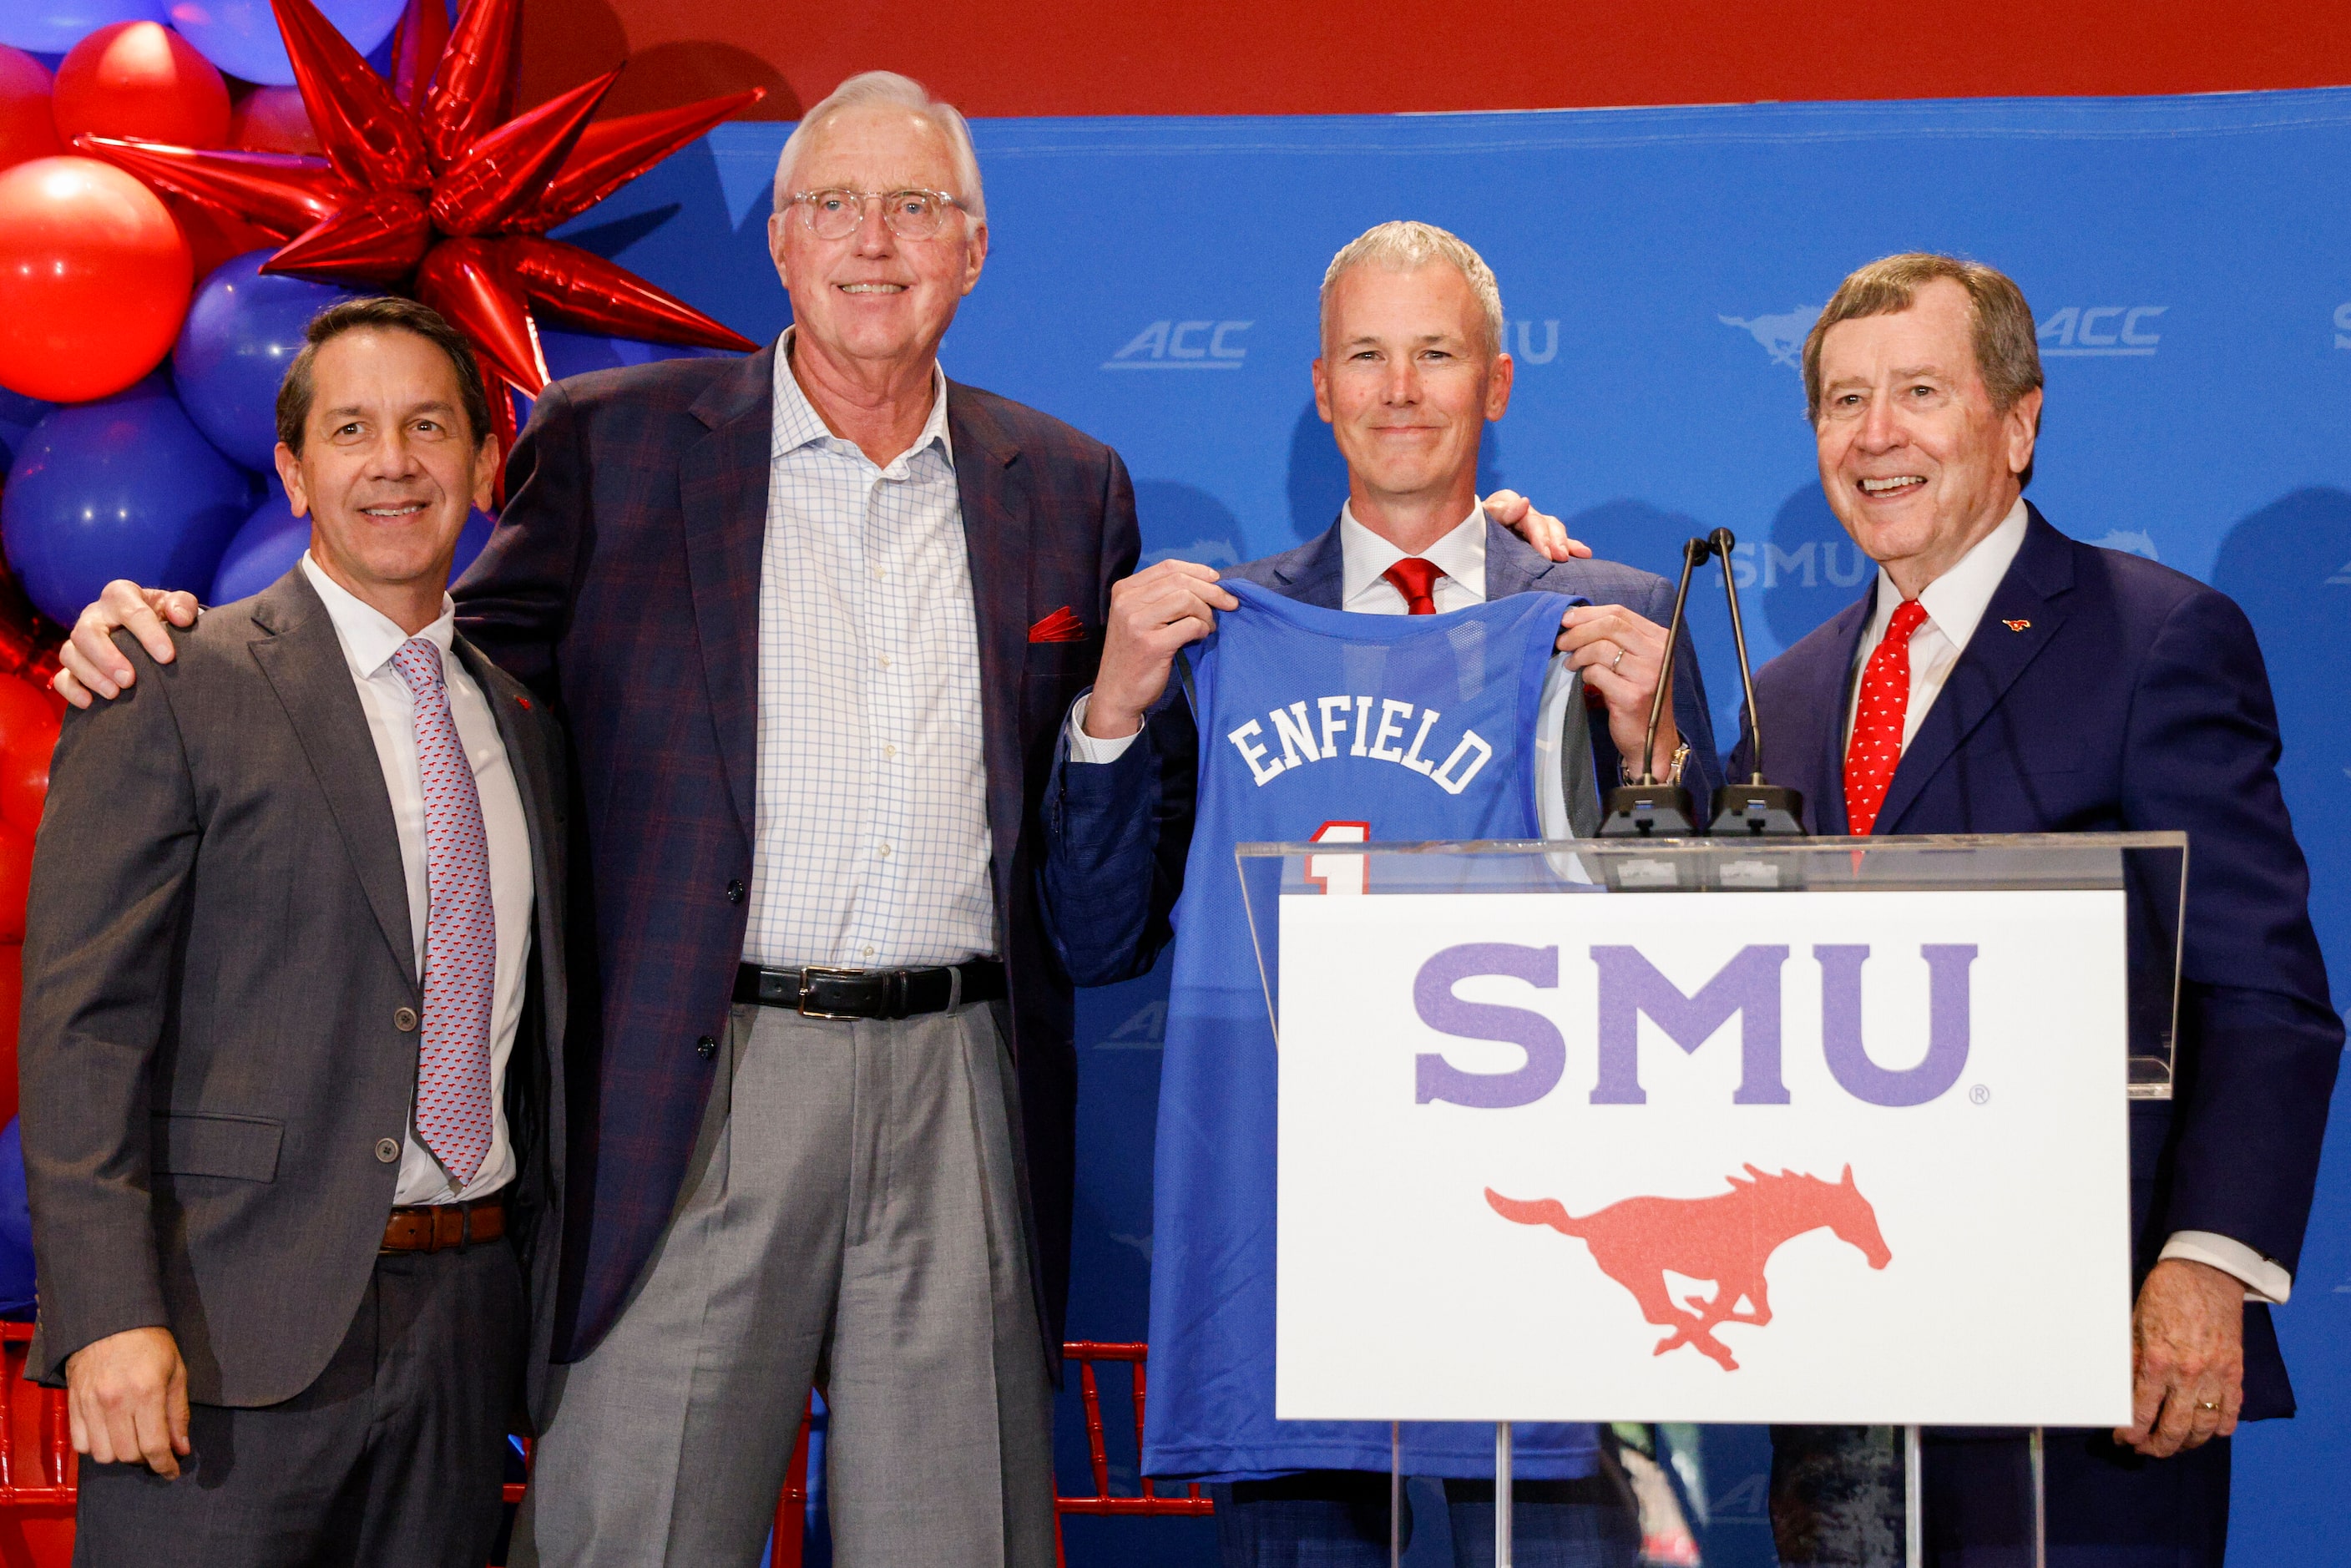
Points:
(124, 486)
(16, 1225)
(53, 26)
(243, 330)
(274, 538)
(18, 414)
(241, 35)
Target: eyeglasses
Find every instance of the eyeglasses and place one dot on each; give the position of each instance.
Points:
(836, 213)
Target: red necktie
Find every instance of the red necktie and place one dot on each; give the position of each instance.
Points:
(1875, 749)
(1413, 578)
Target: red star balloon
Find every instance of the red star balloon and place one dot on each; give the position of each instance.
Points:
(433, 183)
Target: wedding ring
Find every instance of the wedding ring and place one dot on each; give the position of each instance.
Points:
(1616, 661)
(2208, 1405)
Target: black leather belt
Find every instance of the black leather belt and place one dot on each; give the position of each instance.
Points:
(826, 993)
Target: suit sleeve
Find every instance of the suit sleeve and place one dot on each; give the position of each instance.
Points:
(1703, 771)
(2259, 1041)
(514, 601)
(111, 869)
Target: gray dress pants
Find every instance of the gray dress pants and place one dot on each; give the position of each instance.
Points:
(851, 1217)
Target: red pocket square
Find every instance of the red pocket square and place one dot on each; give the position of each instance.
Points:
(1062, 626)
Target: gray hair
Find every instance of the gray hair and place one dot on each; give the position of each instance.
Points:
(1405, 247)
(902, 92)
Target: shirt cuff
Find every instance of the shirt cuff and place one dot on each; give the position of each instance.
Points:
(1084, 747)
(2264, 1280)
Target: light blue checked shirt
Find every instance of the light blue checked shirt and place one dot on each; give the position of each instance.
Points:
(872, 846)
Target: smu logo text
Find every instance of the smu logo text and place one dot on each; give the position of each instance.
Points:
(1184, 346)
(2097, 331)
(1377, 738)
(1748, 988)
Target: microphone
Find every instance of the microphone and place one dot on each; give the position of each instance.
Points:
(1651, 809)
(1754, 808)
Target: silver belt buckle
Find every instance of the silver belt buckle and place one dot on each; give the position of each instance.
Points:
(809, 970)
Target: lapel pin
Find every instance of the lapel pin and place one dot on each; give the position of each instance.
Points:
(526, 701)
(2018, 625)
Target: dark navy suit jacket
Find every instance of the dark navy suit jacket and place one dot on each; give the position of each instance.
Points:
(1115, 830)
(624, 584)
(2103, 692)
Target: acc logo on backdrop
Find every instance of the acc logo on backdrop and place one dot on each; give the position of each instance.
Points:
(1781, 336)
(2100, 331)
(1184, 346)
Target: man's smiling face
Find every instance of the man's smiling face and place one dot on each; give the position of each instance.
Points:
(388, 469)
(1407, 379)
(1915, 460)
(874, 296)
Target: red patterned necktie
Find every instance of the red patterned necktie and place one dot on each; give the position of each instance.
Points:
(461, 941)
(1875, 749)
(1414, 578)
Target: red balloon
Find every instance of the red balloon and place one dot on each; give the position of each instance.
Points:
(26, 129)
(213, 236)
(142, 80)
(12, 1002)
(94, 279)
(29, 734)
(16, 881)
(272, 119)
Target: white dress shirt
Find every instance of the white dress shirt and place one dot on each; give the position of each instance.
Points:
(871, 846)
(1955, 603)
(1461, 554)
(370, 639)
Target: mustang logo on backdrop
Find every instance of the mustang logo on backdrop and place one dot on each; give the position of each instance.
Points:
(1782, 336)
(1728, 1239)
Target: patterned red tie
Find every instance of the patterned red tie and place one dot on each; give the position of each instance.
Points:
(1414, 578)
(461, 941)
(1875, 749)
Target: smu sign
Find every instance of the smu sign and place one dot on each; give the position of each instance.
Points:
(1813, 1156)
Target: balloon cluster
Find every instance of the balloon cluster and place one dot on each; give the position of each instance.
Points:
(156, 160)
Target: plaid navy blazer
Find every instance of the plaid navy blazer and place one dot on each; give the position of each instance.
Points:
(622, 583)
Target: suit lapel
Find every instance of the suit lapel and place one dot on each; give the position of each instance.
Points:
(1511, 564)
(992, 488)
(1995, 656)
(723, 489)
(1321, 578)
(304, 663)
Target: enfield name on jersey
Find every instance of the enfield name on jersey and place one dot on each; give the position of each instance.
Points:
(1305, 738)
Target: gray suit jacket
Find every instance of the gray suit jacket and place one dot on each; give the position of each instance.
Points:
(218, 962)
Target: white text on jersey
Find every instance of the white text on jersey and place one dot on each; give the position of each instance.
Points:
(1304, 740)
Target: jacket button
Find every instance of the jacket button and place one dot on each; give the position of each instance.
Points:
(404, 1019)
(706, 1048)
(735, 891)
(386, 1150)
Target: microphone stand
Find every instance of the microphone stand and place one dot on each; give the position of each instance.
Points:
(1649, 809)
(1754, 808)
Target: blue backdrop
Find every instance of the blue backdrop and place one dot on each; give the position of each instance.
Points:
(2189, 263)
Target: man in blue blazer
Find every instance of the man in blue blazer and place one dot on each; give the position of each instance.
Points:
(2002, 678)
(1410, 373)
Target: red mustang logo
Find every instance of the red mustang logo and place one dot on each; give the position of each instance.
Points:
(1727, 1239)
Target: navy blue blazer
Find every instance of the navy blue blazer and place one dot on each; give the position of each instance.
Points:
(2103, 692)
(1113, 830)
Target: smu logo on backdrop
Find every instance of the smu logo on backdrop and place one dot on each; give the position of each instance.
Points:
(2101, 331)
(1748, 988)
(1173, 345)
(1781, 336)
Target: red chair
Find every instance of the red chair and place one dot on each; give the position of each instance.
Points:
(1148, 1503)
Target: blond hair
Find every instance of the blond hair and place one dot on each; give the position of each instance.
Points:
(1404, 245)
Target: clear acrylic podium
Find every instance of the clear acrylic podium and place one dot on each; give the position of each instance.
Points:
(2075, 936)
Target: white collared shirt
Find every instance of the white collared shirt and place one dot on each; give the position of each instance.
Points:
(871, 846)
(370, 639)
(1955, 603)
(1461, 554)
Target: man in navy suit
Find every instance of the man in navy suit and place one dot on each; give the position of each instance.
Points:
(1412, 370)
(2000, 677)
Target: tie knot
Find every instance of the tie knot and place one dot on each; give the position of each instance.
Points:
(1908, 616)
(419, 664)
(1414, 578)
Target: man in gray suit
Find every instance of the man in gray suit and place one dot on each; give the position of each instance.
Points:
(293, 1004)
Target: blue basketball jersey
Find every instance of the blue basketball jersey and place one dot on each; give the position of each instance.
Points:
(1419, 727)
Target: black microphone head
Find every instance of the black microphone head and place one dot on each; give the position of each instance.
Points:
(1724, 541)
